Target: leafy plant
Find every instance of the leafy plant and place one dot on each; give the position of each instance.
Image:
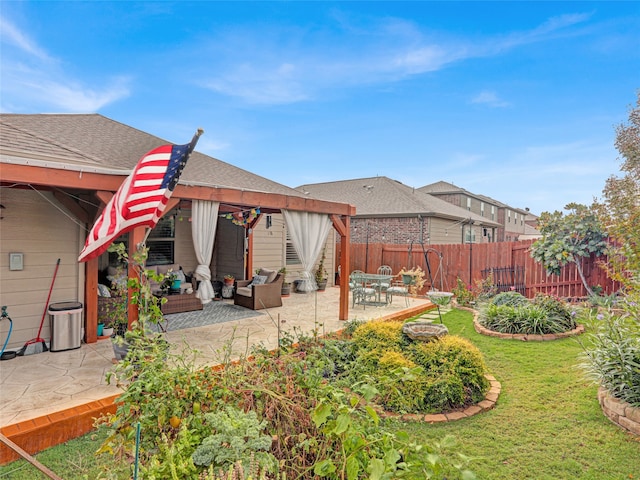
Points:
(320, 274)
(612, 355)
(464, 296)
(513, 299)
(528, 318)
(237, 438)
(620, 210)
(485, 289)
(568, 238)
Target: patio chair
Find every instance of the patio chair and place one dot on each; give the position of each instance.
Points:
(256, 294)
(398, 288)
(360, 292)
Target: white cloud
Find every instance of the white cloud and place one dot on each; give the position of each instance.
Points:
(31, 77)
(276, 71)
(9, 34)
(489, 98)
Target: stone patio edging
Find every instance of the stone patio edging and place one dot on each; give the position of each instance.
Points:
(619, 412)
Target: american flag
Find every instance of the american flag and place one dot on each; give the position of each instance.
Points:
(141, 198)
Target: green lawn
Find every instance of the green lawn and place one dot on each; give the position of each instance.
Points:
(547, 423)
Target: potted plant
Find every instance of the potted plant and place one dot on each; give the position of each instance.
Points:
(229, 279)
(413, 279)
(286, 286)
(170, 283)
(321, 273)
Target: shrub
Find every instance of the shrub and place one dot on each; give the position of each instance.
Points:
(401, 383)
(455, 368)
(464, 296)
(558, 310)
(315, 428)
(379, 335)
(513, 299)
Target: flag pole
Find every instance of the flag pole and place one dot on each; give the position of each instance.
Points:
(195, 138)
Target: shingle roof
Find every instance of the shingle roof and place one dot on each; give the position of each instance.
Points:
(93, 140)
(441, 187)
(383, 196)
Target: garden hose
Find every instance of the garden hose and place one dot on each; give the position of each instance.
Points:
(10, 354)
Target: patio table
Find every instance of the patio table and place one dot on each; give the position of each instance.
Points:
(373, 281)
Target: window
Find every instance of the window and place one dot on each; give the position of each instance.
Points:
(469, 235)
(161, 242)
(509, 216)
(493, 212)
(291, 254)
(482, 209)
(468, 203)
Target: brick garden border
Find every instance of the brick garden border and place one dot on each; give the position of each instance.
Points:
(488, 403)
(619, 412)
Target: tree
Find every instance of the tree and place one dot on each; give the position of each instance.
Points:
(566, 238)
(620, 209)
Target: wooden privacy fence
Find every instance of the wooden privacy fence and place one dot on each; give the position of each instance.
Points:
(510, 262)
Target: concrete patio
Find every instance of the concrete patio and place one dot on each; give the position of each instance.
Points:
(35, 389)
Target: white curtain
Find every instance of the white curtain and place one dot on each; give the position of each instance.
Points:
(308, 233)
(204, 220)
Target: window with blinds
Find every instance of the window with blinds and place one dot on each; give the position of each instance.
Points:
(161, 242)
(291, 255)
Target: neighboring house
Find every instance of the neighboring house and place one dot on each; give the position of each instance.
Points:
(530, 233)
(387, 211)
(57, 172)
(511, 220)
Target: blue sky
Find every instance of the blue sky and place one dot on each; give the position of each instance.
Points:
(515, 100)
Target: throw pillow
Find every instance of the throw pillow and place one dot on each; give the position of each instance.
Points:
(270, 274)
(103, 291)
(258, 280)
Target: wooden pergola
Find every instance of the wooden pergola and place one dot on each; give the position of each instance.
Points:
(102, 186)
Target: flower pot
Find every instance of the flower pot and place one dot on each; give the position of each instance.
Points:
(407, 279)
(107, 331)
(322, 285)
(100, 329)
(285, 290)
(228, 281)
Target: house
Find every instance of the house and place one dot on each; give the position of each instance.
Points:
(387, 211)
(511, 220)
(58, 171)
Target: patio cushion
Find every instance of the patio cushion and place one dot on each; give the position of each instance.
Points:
(270, 274)
(244, 291)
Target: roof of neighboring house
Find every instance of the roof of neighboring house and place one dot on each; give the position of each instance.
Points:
(446, 187)
(383, 196)
(530, 233)
(92, 142)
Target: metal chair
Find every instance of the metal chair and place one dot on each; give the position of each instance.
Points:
(398, 288)
(360, 292)
(382, 286)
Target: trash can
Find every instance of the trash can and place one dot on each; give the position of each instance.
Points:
(65, 320)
